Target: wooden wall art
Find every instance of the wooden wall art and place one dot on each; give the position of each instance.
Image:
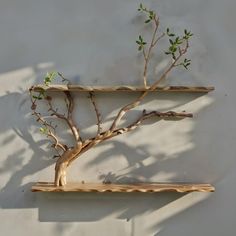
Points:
(68, 153)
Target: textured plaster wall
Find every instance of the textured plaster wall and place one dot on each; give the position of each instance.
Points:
(93, 42)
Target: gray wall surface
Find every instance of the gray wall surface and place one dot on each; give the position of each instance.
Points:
(93, 42)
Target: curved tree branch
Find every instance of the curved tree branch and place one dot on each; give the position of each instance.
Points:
(98, 115)
(135, 103)
(50, 130)
(67, 118)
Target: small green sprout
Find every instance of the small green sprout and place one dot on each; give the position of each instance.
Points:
(43, 130)
(186, 63)
(187, 34)
(176, 42)
(140, 43)
(150, 14)
(50, 76)
(39, 95)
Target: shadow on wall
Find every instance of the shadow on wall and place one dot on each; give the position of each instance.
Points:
(23, 163)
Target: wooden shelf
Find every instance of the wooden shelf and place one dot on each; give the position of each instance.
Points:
(81, 88)
(127, 188)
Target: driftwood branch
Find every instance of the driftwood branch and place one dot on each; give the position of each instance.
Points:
(147, 52)
(147, 115)
(49, 132)
(50, 129)
(144, 116)
(89, 143)
(67, 118)
(135, 103)
(98, 114)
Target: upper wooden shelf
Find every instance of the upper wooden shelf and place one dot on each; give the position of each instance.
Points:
(127, 188)
(81, 88)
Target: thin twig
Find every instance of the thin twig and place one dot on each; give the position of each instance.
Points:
(49, 132)
(150, 48)
(63, 78)
(98, 115)
(68, 119)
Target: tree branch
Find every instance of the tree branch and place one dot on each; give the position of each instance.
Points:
(98, 115)
(135, 103)
(151, 46)
(145, 116)
(49, 129)
(68, 119)
(89, 143)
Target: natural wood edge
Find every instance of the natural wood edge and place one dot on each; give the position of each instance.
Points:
(126, 188)
(122, 88)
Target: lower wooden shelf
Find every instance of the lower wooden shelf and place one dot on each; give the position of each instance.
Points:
(127, 188)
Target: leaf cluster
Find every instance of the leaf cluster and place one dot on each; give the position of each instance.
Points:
(176, 43)
(40, 95)
(150, 14)
(50, 76)
(186, 63)
(43, 130)
(141, 43)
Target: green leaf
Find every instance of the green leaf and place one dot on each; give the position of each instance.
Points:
(37, 97)
(138, 42)
(147, 21)
(178, 40)
(171, 41)
(43, 130)
(50, 76)
(140, 48)
(172, 48)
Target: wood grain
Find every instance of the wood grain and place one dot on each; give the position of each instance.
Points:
(122, 88)
(127, 188)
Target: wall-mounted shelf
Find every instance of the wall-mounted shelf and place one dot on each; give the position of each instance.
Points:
(124, 188)
(127, 188)
(81, 88)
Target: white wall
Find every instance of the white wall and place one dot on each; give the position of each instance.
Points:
(93, 42)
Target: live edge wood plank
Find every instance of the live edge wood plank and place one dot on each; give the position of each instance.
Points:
(127, 188)
(122, 88)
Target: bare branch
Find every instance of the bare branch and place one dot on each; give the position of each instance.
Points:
(89, 143)
(158, 38)
(145, 116)
(67, 118)
(49, 131)
(63, 78)
(151, 46)
(98, 115)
